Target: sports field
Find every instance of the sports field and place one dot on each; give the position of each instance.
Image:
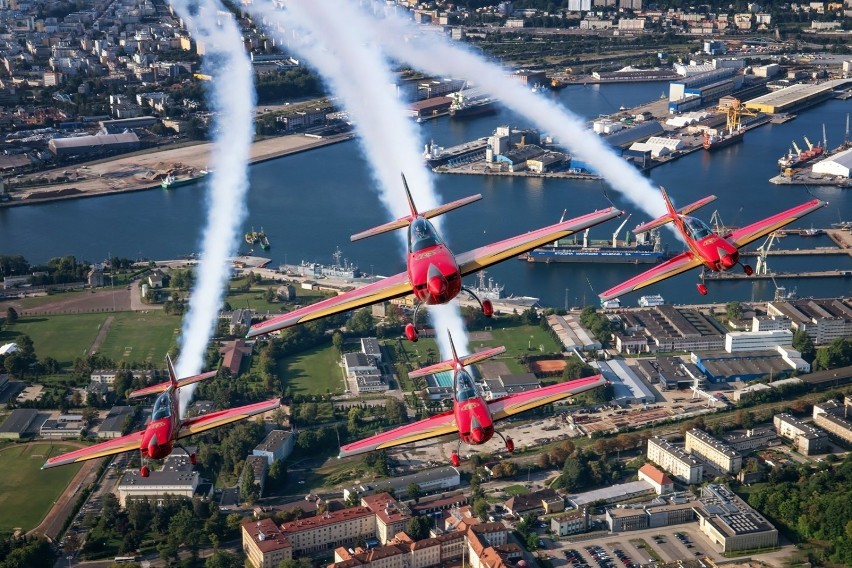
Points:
(140, 337)
(26, 492)
(315, 371)
(63, 337)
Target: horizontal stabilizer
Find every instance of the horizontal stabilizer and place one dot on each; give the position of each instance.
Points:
(662, 220)
(405, 221)
(449, 364)
(163, 387)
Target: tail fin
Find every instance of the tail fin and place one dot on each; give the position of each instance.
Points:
(173, 381)
(405, 221)
(449, 364)
(672, 214)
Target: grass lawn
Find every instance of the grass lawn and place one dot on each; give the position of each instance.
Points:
(141, 337)
(516, 490)
(254, 298)
(63, 337)
(26, 493)
(312, 372)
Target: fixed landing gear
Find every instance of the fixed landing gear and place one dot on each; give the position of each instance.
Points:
(454, 459)
(411, 328)
(144, 471)
(702, 286)
(748, 269)
(411, 333)
(486, 305)
(510, 444)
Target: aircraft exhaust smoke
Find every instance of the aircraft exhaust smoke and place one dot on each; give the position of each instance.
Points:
(232, 97)
(438, 56)
(357, 72)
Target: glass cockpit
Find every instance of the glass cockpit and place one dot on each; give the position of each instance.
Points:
(162, 407)
(696, 228)
(464, 387)
(421, 235)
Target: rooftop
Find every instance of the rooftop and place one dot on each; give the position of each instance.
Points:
(266, 535)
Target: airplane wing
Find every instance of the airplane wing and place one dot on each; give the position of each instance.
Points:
(216, 419)
(127, 443)
(465, 360)
(681, 263)
(483, 257)
(384, 289)
(432, 427)
(163, 387)
(750, 233)
(521, 402)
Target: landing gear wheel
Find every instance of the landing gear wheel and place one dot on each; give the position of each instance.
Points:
(487, 308)
(192, 459)
(702, 289)
(748, 270)
(411, 333)
(510, 445)
(144, 471)
(454, 459)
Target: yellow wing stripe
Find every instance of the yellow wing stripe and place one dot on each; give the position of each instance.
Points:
(746, 239)
(425, 435)
(485, 261)
(392, 292)
(535, 403)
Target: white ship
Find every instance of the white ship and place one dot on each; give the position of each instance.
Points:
(650, 301)
(494, 292)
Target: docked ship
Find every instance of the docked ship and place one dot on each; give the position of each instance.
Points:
(494, 292)
(171, 181)
(469, 103)
(341, 269)
(644, 249)
(257, 238)
(796, 157)
(734, 130)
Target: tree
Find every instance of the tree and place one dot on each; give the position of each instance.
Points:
(362, 323)
(734, 310)
(354, 418)
(11, 315)
(480, 509)
(803, 344)
(414, 491)
(337, 341)
(418, 527)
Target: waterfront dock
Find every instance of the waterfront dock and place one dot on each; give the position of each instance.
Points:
(767, 276)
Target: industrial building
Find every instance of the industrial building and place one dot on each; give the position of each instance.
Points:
(572, 334)
(504, 385)
(808, 439)
(116, 421)
(674, 460)
(628, 388)
(839, 165)
(823, 320)
(672, 373)
(659, 146)
(795, 96)
(748, 366)
(730, 523)
(657, 513)
(612, 494)
(17, 423)
(702, 89)
(94, 144)
(176, 479)
(737, 341)
(714, 451)
(668, 328)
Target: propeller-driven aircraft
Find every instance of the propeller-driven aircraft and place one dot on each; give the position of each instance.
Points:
(166, 427)
(472, 417)
(434, 274)
(719, 253)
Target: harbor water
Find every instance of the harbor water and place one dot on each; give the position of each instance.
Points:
(310, 203)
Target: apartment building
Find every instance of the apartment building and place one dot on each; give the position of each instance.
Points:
(808, 439)
(264, 544)
(714, 451)
(339, 528)
(674, 460)
(834, 418)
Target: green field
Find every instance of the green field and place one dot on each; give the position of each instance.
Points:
(63, 337)
(26, 493)
(312, 372)
(140, 337)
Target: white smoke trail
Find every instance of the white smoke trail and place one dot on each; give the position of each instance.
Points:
(231, 93)
(357, 72)
(435, 54)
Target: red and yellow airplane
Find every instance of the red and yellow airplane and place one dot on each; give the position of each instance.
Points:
(706, 249)
(434, 274)
(164, 430)
(472, 417)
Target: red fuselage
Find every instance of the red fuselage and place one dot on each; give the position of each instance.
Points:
(716, 252)
(432, 269)
(473, 418)
(161, 431)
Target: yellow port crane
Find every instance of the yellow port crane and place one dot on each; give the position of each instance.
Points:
(734, 111)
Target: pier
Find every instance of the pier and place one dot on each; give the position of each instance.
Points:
(770, 275)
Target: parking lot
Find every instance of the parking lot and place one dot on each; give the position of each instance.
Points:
(634, 548)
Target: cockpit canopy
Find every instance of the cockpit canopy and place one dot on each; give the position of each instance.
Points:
(464, 387)
(162, 407)
(421, 235)
(696, 228)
